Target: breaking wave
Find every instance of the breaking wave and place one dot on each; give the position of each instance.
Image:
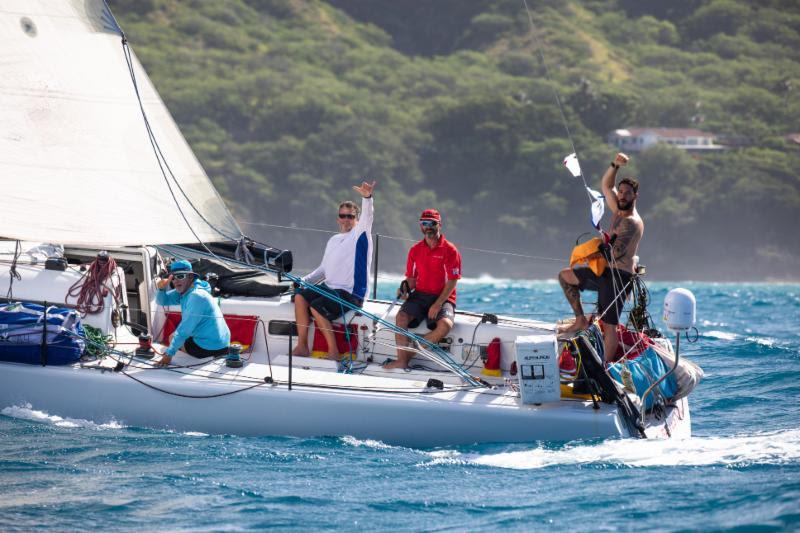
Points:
(774, 448)
(365, 443)
(27, 412)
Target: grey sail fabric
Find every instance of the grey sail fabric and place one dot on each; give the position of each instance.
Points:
(76, 163)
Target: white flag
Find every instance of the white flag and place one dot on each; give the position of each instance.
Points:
(572, 164)
(598, 207)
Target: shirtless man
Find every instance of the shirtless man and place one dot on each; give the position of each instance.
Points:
(613, 286)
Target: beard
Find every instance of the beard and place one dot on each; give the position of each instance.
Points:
(622, 206)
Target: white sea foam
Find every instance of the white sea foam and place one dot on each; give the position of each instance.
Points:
(194, 434)
(365, 443)
(723, 335)
(446, 457)
(763, 341)
(26, 412)
(766, 448)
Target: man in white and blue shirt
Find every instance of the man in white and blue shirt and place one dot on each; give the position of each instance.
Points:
(344, 270)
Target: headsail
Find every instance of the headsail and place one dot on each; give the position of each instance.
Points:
(76, 164)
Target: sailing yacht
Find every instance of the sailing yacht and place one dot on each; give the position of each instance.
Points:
(102, 190)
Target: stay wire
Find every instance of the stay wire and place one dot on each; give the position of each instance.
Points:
(161, 159)
(12, 273)
(407, 239)
(540, 49)
(162, 162)
(473, 347)
(266, 344)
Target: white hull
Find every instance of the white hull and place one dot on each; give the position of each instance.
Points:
(412, 419)
(391, 406)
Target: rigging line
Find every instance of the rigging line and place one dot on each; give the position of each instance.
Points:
(495, 252)
(192, 396)
(157, 148)
(12, 272)
(538, 257)
(406, 239)
(151, 138)
(288, 227)
(613, 302)
(223, 377)
(616, 278)
(555, 91)
(160, 157)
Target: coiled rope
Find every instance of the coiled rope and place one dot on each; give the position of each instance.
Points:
(97, 282)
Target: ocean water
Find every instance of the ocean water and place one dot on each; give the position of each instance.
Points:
(740, 470)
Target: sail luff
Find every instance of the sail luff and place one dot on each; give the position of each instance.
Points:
(76, 163)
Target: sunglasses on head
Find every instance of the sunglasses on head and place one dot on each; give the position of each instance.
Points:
(182, 275)
(347, 215)
(428, 223)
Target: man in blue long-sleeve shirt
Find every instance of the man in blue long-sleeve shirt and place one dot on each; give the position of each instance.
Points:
(202, 331)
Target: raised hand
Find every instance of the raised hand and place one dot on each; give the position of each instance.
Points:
(365, 190)
(621, 159)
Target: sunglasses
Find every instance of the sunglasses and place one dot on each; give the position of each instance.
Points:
(428, 223)
(182, 275)
(347, 215)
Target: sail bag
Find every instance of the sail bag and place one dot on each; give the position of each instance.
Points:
(23, 339)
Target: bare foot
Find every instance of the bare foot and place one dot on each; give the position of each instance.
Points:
(333, 356)
(579, 324)
(394, 364)
(301, 351)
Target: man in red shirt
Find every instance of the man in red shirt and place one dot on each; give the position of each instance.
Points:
(432, 271)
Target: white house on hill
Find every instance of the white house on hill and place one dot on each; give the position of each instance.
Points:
(638, 139)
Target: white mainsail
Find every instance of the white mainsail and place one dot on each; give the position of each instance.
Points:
(76, 163)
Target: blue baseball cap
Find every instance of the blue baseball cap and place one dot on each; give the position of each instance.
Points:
(181, 267)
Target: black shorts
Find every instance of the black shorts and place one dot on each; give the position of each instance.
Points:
(419, 303)
(604, 286)
(195, 350)
(324, 305)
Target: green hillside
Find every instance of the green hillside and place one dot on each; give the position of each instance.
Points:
(446, 103)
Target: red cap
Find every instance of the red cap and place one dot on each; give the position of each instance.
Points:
(431, 214)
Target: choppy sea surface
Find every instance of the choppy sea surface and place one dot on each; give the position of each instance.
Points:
(740, 470)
